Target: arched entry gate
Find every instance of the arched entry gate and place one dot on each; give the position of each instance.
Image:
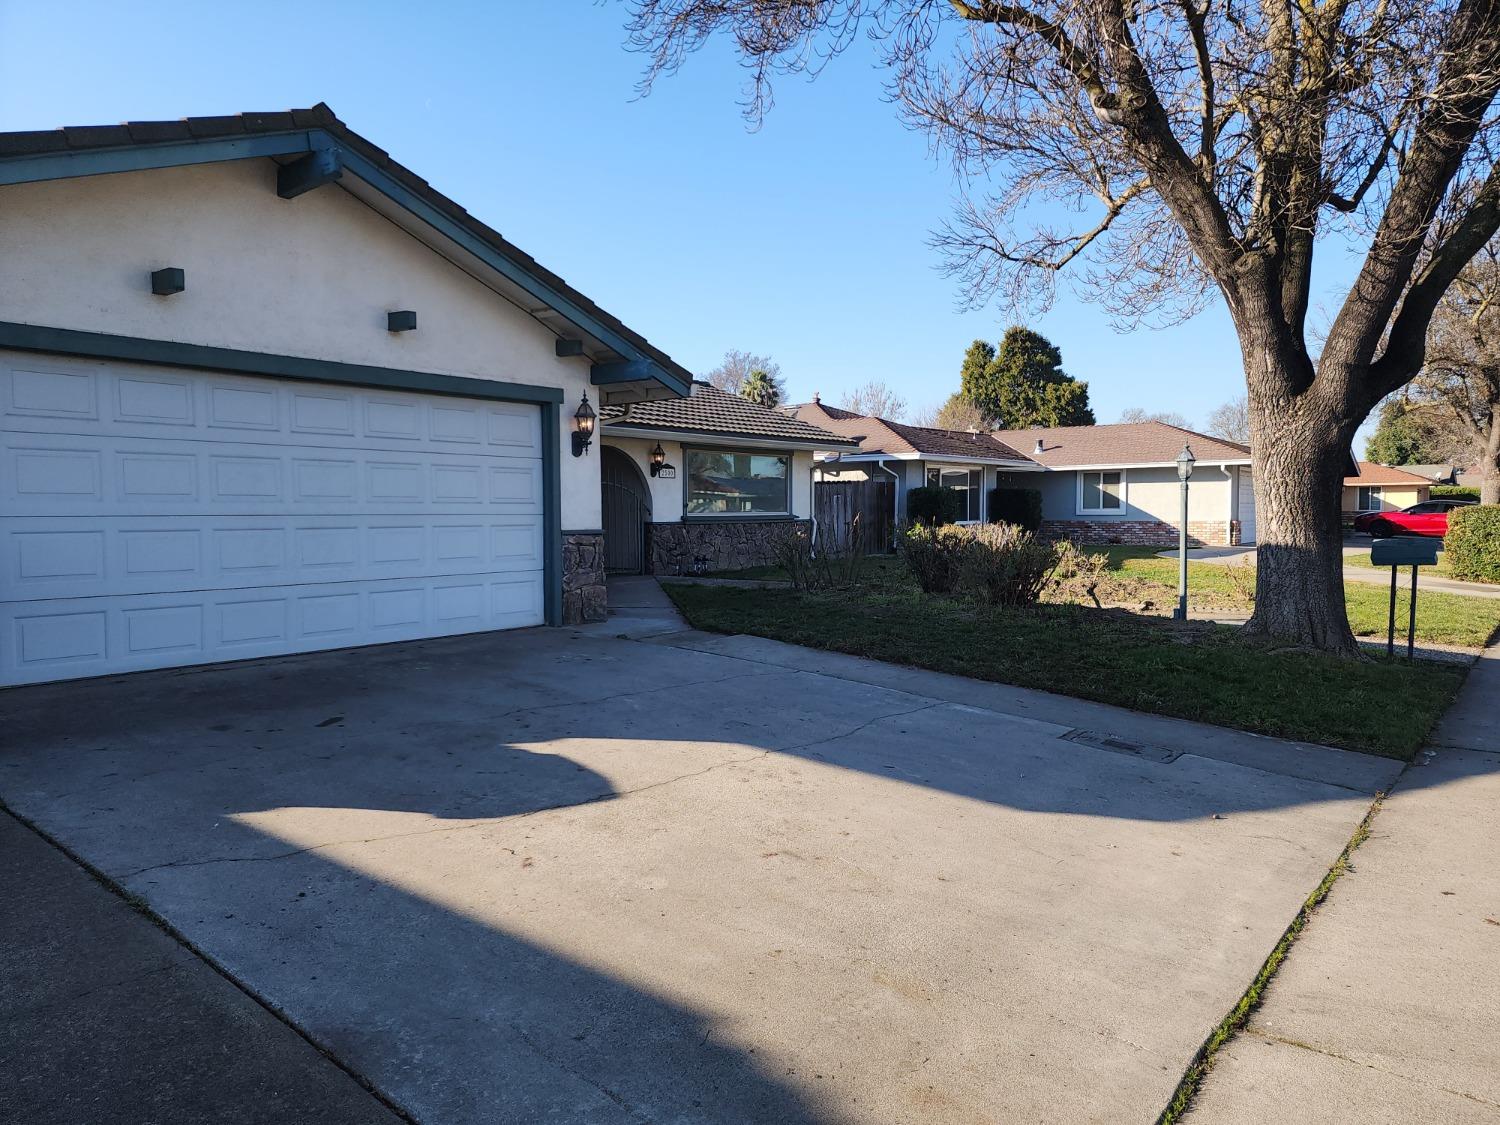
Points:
(627, 510)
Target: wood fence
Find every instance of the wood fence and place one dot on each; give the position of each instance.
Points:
(837, 502)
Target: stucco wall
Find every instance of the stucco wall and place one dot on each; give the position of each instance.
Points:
(667, 494)
(1392, 497)
(1150, 494)
(312, 276)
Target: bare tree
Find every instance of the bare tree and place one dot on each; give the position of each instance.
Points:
(1463, 364)
(736, 366)
(875, 399)
(1206, 147)
(1140, 414)
(956, 413)
(1231, 420)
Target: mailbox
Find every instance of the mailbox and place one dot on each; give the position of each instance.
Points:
(1404, 552)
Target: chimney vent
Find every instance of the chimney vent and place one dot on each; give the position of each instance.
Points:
(1040, 448)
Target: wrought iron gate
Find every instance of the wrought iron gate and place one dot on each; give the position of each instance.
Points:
(626, 512)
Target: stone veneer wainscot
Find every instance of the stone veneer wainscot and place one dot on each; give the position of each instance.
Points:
(695, 546)
(585, 597)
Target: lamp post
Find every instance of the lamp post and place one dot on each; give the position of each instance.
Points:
(1185, 461)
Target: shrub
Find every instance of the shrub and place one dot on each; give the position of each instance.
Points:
(1003, 564)
(1455, 492)
(1472, 545)
(1020, 506)
(934, 506)
(934, 555)
(834, 561)
(1079, 574)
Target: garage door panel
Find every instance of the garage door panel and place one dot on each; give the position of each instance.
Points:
(50, 640)
(154, 518)
(60, 395)
(48, 559)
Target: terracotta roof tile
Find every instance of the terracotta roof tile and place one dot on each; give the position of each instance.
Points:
(712, 411)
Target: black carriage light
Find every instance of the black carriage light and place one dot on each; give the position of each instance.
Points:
(658, 459)
(583, 426)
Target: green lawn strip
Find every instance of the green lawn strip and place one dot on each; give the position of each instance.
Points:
(1230, 1025)
(1361, 559)
(1140, 578)
(1445, 619)
(1203, 672)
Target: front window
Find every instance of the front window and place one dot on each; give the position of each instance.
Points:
(966, 481)
(722, 482)
(1369, 499)
(1101, 492)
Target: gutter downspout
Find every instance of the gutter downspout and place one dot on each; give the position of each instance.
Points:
(896, 496)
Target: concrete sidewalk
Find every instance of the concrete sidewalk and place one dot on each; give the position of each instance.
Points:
(1388, 1006)
(1377, 576)
(106, 1017)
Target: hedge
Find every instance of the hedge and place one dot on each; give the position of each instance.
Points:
(1455, 492)
(1472, 545)
(934, 506)
(1020, 506)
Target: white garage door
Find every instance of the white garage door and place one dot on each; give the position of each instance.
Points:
(155, 517)
(1247, 505)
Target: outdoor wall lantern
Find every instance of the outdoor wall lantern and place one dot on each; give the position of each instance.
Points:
(583, 426)
(658, 459)
(1185, 461)
(401, 320)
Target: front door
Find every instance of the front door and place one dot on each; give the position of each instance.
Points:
(626, 503)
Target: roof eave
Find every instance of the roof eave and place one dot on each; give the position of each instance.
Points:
(428, 207)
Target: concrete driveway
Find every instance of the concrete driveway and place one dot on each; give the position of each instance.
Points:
(564, 876)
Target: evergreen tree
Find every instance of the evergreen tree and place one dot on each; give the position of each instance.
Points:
(1396, 440)
(1023, 384)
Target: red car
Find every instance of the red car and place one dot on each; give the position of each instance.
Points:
(1427, 518)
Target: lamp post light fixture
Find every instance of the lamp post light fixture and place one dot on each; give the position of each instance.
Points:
(658, 458)
(1185, 461)
(583, 426)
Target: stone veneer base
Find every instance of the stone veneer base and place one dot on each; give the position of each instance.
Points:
(585, 597)
(696, 546)
(1143, 533)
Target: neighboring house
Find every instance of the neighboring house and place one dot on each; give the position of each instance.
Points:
(705, 482)
(1099, 484)
(263, 390)
(1434, 474)
(1384, 488)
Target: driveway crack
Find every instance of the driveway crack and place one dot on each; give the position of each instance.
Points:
(547, 1057)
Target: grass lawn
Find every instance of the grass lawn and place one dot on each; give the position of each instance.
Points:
(1201, 671)
(1361, 559)
(1139, 579)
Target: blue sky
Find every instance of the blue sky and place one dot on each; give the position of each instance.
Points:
(805, 240)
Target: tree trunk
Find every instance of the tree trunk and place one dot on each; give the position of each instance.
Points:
(1301, 452)
(1489, 466)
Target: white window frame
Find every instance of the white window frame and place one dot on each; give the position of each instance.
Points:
(1124, 496)
(1375, 492)
(968, 470)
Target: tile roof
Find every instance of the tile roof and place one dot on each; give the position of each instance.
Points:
(136, 134)
(1123, 443)
(709, 410)
(1371, 473)
(881, 435)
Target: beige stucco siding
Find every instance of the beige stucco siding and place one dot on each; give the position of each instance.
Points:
(1149, 494)
(312, 276)
(1393, 497)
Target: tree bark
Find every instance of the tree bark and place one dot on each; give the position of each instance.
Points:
(1301, 458)
(1489, 468)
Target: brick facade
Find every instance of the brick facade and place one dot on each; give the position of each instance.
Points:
(585, 597)
(1143, 533)
(694, 547)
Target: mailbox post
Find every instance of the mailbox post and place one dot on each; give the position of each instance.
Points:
(1396, 553)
